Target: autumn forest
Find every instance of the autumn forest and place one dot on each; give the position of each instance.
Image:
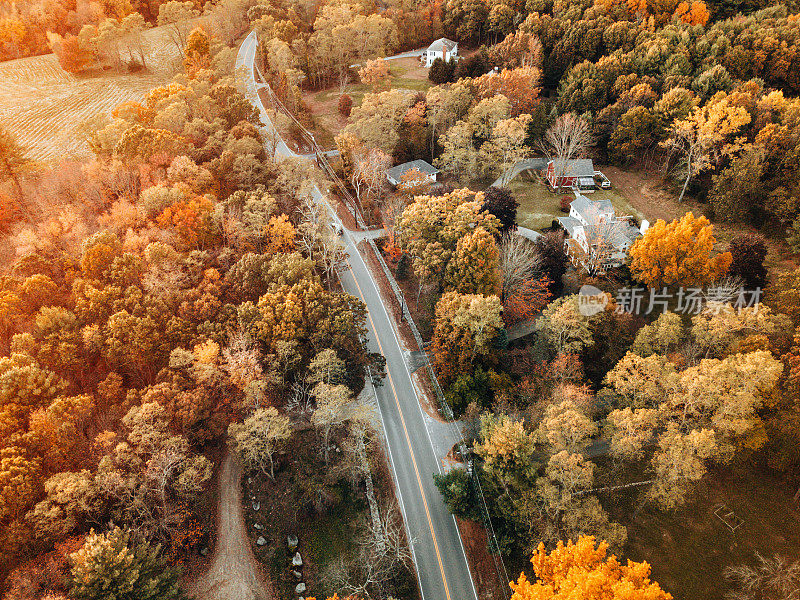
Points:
(468, 299)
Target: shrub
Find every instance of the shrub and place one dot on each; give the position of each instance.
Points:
(345, 105)
(468, 388)
(500, 201)
(564, 204)
(458, 493)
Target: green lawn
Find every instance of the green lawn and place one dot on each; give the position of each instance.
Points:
(357, 90)
(538, 206)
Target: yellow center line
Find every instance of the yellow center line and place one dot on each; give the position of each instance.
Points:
(410, 448)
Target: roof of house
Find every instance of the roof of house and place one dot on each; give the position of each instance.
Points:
(569, 224)
(579, 167)
(442, 44)
(587, 207)
(601, 219)
(398, 171)
(628, 231)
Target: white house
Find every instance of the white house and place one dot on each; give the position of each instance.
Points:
(441, 48)
(598, 239)
(427, 173)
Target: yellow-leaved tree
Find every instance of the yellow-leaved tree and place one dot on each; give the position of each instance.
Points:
(678, 253)
(581, 570)
(705, 136)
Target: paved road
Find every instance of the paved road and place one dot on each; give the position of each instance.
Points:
(436, 544)
(245, 61)
(409, 54)
(536, 164)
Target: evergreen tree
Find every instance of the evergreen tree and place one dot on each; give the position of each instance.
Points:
(112, 566)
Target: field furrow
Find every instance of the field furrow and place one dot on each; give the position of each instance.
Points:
(46, 107)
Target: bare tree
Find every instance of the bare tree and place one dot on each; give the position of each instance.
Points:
(376, 564)
(318, 238)
(300, 400)
(567, 138)
(272, 137)
(230, 20)
(13, 161)
(369, 174)
(771, 579)
(359, 437)
(177, 17)
(243, 365)
(601, 234)
(161, 468)
(134, 39)
(392, 210)
(335, 406)
(343, 80)
(519, 263)
(373, 169)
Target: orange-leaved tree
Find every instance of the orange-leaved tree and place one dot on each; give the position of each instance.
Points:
(197, 53)
(375, 73)
(581, 570)
(678, 253)
(190, 219)
(694, 13)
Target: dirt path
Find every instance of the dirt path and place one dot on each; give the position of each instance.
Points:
(234, 573)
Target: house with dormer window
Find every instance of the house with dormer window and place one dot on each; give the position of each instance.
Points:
(597, 239)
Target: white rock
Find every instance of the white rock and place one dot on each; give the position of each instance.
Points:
(261, 540)
(300, 588)
(297, 560)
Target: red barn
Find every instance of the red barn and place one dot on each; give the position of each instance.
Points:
(571, 173)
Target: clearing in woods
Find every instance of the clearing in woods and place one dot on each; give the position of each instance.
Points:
(47, 108)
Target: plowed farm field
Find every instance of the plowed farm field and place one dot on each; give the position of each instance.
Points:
(47, 108)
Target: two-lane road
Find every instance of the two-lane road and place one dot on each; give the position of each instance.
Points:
(438, 551)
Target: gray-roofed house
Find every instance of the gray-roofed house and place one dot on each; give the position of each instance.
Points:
(577, 173)
(442, 48)
(597, 239)
(427, 173)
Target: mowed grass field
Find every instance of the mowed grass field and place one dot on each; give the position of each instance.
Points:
(538, 206)
(48, 108)
(407, 74)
